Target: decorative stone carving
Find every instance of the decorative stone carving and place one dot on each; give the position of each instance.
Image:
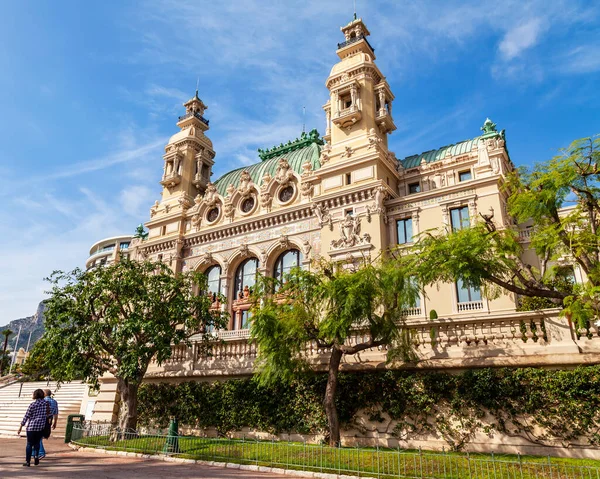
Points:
(246, 183)
(473, 211)
(284, 174)
(325, 154)
(266, 179)
(350, 234)
(263, 256)
(266, 200)
(347, 152)
(322, 214)
(284, 242)
(306, 185)
(184, 203)
(306, 247)
(154, 209)
(243, 250)
(211, 196)
(374, 141)
(196, 221)
(378, 195)
(228, 210)
(230, 189)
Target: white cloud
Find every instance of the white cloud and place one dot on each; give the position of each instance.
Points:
(582, 59)
(136, 200)
(521, 38)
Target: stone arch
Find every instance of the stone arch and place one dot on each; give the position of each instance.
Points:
(279, 246)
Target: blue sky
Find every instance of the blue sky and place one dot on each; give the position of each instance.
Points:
(91, 91)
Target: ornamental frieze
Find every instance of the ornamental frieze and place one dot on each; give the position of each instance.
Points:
(432, 201)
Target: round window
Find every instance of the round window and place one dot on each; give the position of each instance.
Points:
(212, 214)
(286, 194)
(248, 204)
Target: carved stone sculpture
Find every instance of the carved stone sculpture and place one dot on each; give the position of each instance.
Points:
(284, 173)
(211, 196)
(378, 194)
(350, 234)
(321, 212)
(245, 183)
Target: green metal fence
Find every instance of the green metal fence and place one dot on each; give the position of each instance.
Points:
(372, 462)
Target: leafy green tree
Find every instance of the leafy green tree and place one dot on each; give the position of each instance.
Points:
(327, 307)
(6, 333)
(561, 198)
(36, 365)
(117, 319)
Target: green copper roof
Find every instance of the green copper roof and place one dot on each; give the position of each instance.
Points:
(434, 155)
(489, 131)
(309, 151)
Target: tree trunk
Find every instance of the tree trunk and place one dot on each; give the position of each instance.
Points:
(129, 399)
(330, 394)
(3, 354)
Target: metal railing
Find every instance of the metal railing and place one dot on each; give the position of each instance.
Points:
(196, 114)
(355, 39)
(362, 462)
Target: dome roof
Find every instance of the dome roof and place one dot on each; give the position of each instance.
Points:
(307, 148)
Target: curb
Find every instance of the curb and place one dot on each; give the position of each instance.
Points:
(223, 465)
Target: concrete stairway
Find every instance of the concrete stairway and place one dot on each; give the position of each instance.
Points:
(15, 399)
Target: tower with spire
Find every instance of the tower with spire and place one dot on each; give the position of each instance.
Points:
(358, 122)
(187, 168)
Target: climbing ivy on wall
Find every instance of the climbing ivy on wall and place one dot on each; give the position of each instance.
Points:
(537, 404)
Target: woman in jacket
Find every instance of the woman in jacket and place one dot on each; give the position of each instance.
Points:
(36, 419)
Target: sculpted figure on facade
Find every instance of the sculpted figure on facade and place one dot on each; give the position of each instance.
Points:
(154, 209)
(266, 200)
(306, 182)
(378, 195)
(284, 174)
(350, 234)
(228, 210)
(196, 221)
(246, 183)
(230, 190)
(211, 196)
(321, 213)
(266, 179)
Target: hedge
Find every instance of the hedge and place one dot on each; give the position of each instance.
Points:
(539, 404)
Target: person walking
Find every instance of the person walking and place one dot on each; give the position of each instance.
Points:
(36, 419)
(53, 419)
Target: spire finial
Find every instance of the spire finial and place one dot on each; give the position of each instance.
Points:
(354, 9)
(197, 83)
(303, 119)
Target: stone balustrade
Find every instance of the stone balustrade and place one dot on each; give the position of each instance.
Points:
(483, 339)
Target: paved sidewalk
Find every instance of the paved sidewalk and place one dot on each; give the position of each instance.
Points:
(63, 462)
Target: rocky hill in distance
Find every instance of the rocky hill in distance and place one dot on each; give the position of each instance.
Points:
(31, 324)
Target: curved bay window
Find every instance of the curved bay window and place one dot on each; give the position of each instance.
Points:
(245, 278)
(286, 261)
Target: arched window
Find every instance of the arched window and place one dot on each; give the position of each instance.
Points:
(286, 261)
(213, 275)
(245, 276)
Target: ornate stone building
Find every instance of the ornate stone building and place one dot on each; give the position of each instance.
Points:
(341, 196)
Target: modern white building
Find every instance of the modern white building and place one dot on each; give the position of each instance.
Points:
(107, 251)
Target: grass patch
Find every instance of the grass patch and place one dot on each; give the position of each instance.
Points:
(383, 463)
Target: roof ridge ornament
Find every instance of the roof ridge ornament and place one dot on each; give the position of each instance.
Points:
(488, 127)
(305, 139)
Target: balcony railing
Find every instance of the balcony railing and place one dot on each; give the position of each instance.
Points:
(196, 114)
(411, 311)
(470, 306)
(354, 40)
